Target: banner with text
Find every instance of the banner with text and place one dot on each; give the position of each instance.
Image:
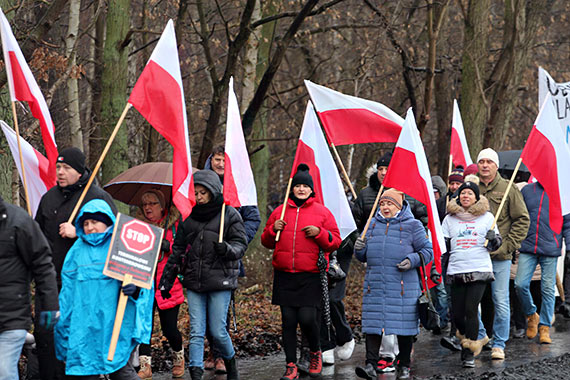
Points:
(560, 93)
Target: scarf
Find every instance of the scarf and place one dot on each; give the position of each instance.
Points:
(205, 212)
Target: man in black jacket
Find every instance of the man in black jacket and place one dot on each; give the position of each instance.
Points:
(53, 213)
(24, 254)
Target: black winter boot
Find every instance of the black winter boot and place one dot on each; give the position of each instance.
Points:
(196, 373)
(231, 368)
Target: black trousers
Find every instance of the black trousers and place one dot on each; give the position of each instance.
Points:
(339, 332)
(465, 299)
(50, 367)
(308, 317)
(405, 343)
(169, 325)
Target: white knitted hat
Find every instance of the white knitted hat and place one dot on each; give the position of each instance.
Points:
(489, 154)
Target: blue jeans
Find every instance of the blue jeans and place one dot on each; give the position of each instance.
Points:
(527, 265)
(500, 294)
(212, 306)
(11, 342)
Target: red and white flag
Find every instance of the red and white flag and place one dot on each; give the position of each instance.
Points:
(459, 150)
(23, 87)
(409, 172)
(35, 164)
(159, 96)
(329, 191)
(547, 156)
(351, 120)
(239, 186)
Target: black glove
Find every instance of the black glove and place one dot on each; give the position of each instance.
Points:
(48, 319)
(165, 293)
(434, 274)
(405, 265)
(129, 289)
(165, 246)
(220, 248)
(490, 235)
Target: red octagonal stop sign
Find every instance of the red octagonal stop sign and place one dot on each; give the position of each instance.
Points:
(137, 237)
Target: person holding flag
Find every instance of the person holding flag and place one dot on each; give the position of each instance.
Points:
(305, 228)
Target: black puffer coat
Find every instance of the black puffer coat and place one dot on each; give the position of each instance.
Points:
(193, 253)
(56, 207)
(24, 254)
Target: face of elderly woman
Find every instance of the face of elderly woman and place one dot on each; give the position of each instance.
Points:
(467, 198)
(302, 191)
(203, 195)
(388, 209)
(151, 207)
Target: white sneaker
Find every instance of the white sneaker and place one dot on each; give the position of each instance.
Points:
(344, 352)
(328, 357)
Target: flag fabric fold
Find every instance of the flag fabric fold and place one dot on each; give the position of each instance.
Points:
(329, 191)
(35, 164)
(459, 149)
(239, 185)
(409, 172)
(351, 120)
(23, 87)
(547, 156)
(159, 96)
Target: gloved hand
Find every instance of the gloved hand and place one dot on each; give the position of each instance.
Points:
(165, 293)
(490, 235)
(129, 289)
(405, 265)
(165, 246)
(48, 319)
(220, 248)
(434, 274)
(359, 244)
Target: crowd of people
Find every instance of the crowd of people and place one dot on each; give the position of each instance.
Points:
(486, 278)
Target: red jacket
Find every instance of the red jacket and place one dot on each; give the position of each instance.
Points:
(294, 252)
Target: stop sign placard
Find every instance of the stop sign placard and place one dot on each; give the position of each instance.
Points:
(137, 237)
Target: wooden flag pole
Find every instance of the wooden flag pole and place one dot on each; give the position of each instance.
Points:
(372, 212)
(502, 204)
(343, 170)
(221, 236)
(448, 174)
(119, 318)
(21, 158)
(284, 206)
(98, 166)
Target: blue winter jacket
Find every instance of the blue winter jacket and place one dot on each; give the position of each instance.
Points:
(390, 297)
(540, 239)
(88, 303)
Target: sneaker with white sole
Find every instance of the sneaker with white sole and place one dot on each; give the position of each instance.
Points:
(386, 365)
(328, 357)
(344, 352)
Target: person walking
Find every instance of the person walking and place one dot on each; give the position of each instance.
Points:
(210, 270)
(391, 249)
(468, 265)
(541, 246)
(89, 302)
(154, 210)
(25, 255)
(307, 228)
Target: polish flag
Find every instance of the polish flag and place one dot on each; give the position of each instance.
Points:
(351, 120)
(23, 87)
(329, 191)
(159, 96)
(409, 172)
(35, 164)
(547, 156)
(239, 186)
(459, 150)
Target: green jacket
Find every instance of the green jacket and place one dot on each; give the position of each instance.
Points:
(514, 220)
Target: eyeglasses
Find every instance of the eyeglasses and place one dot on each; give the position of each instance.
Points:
(150, 204)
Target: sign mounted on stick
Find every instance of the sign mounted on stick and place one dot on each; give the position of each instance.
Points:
(134, 250)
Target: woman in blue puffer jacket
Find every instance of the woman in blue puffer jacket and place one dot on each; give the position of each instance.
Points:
(391, 250)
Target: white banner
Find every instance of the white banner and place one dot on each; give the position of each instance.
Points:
(560, 93)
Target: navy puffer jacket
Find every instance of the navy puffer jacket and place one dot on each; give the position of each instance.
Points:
(540, 239)
(390, 296)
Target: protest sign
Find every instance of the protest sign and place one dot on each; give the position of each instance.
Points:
(560, 93)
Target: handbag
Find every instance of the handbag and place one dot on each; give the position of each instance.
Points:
(429, 318)
(336, 273)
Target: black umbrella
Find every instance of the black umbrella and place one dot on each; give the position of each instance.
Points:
(507, 161)
(322, 265)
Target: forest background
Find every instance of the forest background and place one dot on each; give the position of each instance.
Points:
(87, 54)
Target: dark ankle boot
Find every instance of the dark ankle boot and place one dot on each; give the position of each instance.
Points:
(196, 373)
(368, 372)
(231, 369)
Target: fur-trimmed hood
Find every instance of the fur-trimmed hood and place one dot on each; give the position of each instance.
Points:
(173, 216)
(477, 209)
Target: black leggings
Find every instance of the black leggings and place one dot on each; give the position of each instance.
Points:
(169, 325)
(465, 299)
(309, 318)
(405, 343)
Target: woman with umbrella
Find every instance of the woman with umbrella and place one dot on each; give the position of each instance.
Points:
(307, 228)
(153, 210)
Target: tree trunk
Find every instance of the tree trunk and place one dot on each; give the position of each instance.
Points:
(95, 145)
(114, 87)
(72, 86)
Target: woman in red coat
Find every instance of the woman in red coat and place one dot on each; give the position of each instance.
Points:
(306, 228)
